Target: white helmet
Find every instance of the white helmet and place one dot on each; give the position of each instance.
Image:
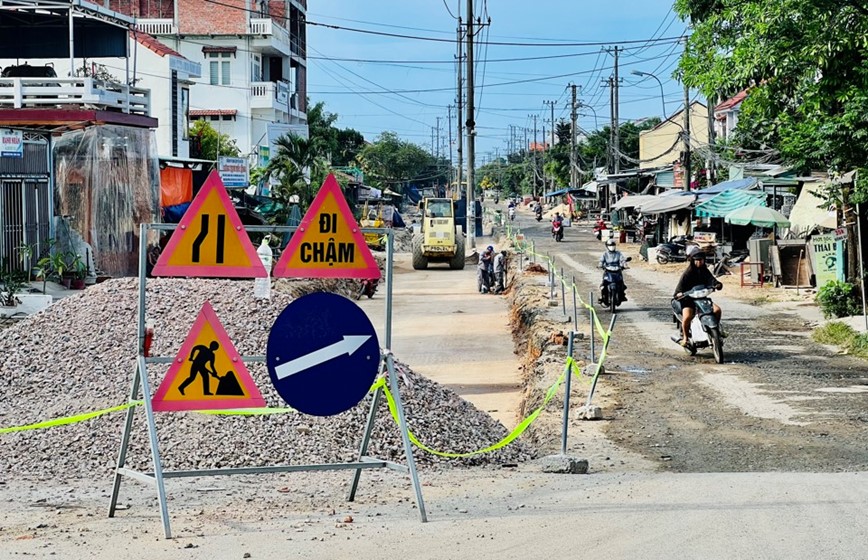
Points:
(610, 244)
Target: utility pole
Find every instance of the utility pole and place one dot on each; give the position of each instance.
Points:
(534, 154)
(460, 111)
(616, 118)
(573, 159)
(432, 142)
(471, 132)
(449, 122)
(686, 163)
(437, 155)
(709, 163)
(610, 152)
(551, 105)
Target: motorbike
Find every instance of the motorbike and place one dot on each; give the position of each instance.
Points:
(557, 231)
(613, 285)
(705, 329)
(598, 229)
(367, 287)
(675, 250)
(539, 214)
(511, 213)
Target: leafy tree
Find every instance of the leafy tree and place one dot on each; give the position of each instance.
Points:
(806, 64)
(294, 159)
(205, 141)
(390, 161)
(339, 145)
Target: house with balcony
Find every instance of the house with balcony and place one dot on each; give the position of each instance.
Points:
(253, 57)
(80, 172)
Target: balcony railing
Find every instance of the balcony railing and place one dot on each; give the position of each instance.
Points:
(266, 26)
(157, 26)
(72, 93)
(274, 95)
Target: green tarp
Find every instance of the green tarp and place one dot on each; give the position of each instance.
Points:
(730, 200)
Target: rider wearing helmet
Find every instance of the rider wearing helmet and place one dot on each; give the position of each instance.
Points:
(612, 256)
(696, 274)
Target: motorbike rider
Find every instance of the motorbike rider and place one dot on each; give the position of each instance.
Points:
(612, 256)
(696, 274)
(557, 222)
(538, 211)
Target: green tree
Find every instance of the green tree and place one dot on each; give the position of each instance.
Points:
(339, 145)
(390, 161)
(806, 64)
(205, 141)
(294, 157)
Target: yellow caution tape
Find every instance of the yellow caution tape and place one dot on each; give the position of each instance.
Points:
(68, 419)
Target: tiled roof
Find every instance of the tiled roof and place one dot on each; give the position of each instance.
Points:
(732, 101)
(154, 45)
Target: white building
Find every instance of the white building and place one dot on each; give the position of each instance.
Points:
(253, 81)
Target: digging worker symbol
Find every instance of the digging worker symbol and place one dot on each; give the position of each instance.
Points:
(202, 357)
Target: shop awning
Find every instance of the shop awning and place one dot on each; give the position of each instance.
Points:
(808, 213)
(727, 201)
(633, 200)
(667, 202)
(734, 184)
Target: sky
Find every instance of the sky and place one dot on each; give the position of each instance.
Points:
(403, 84)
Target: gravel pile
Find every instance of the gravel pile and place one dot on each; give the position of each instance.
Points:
(78, 356)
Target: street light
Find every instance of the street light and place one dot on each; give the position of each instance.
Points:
(650, 75)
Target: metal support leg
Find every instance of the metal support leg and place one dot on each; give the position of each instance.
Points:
(155, 449)
(125, 441)
(366, 436)
(568, 371)
(408, 449)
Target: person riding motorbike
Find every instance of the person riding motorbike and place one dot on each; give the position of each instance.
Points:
(612, 256)
(599, 226)
(512, 212)
(696, 274)
(538, 212)
(557, 226)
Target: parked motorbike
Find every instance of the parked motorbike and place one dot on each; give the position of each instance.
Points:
(612, 292)
(675, 250)
(367, 287)
(557, 231)
(705, 329)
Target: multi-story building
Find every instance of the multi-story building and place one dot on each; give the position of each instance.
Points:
(253, 58)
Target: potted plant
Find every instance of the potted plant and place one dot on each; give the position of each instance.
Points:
(13, 282)
(78, 271)
(60, 269)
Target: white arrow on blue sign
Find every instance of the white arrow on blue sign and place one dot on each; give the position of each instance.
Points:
(323, 354)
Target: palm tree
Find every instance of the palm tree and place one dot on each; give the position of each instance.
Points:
(296, 161)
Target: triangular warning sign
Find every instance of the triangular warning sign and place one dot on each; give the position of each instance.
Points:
(210, 240)
(207, 373)
(329, 242)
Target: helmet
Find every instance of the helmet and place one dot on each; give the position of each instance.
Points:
(490, 248)
(694, 253)
(610, 244)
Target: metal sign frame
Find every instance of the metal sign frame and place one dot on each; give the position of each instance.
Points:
(141, 386)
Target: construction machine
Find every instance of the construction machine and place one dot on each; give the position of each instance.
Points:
(370, 220)
(439, 239)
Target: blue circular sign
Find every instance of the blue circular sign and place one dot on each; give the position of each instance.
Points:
(323, 354)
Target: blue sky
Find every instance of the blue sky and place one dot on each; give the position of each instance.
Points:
(358, 91)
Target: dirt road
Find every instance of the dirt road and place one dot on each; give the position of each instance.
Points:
(448, 332)
(779, 402)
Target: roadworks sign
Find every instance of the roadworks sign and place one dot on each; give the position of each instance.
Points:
(329, 242)
(210, 240)
(207, 373)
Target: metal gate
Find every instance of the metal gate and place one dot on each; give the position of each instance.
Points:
(25, 203)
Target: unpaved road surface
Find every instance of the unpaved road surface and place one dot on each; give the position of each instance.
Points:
(779, 403)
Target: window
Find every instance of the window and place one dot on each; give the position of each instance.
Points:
(185, 112)
(256, 68)
(219, 64)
